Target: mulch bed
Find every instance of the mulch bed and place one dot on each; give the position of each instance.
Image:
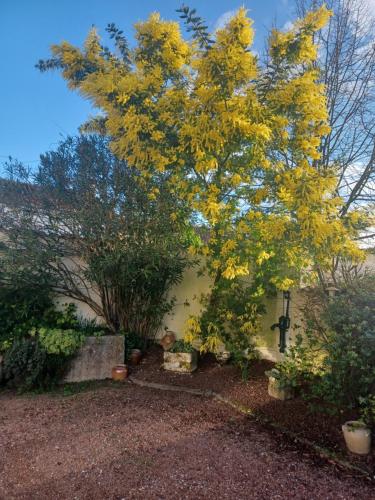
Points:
(294, 415)
(121, 441)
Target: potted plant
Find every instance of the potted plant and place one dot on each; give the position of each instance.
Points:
(357, 433)
(135, 356)
(133, 348)
(357, 437)
(279, 385)
(181, 357)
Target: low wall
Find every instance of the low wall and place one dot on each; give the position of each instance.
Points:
(187, 294)
(96, 358)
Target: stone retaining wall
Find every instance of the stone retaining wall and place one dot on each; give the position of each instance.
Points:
(96, 358)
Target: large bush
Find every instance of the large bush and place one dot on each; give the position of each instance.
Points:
(90, 227)
(336, 356)
(21, 310)
(350, 352)
(37, 340)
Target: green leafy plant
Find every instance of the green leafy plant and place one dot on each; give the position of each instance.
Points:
(22, 309)
(132, 341)
(349, 370)
(334, 360)
(367, 409)
(231, 317)
(125, 238)
(38, 339)
(27, 365)
(60, 342)
(182, 346)
(302, 363)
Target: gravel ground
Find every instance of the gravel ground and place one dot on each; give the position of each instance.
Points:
(295, 415)
(119, 441)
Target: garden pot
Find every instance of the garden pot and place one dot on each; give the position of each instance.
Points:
(357, 437)
(168, 340)
(135, 356)
(120, 373)
(182, 362)
(279, 391)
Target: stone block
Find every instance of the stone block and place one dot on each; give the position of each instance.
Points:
(183, 362)
(96, 358)
(277, 391)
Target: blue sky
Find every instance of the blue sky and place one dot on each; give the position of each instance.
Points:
(37, 110)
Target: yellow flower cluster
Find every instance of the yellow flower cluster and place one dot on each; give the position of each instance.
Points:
(237, 144)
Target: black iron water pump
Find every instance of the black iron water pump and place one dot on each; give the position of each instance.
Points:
(284, 322)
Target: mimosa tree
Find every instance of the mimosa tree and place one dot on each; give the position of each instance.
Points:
(236, 141)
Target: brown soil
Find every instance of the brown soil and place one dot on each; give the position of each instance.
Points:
(118, 441)
(295, 415)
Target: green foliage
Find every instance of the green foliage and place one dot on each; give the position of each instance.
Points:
(27, 365)
(367, 409)
(349, 369)
(132, 341)
(336, 358)
(21, 311)
(232, 317)
(90, 327)
(196, 25)
(141, 274)
(26, 311)
(181, 346)
(125, 238)
(37, 339)
(300, 365)
(60, 342)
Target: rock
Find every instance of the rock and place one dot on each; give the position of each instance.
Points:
(183, 362)
(277, 391)
(96, 358)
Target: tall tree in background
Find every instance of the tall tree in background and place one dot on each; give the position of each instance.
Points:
(346, 60)
(235, 142)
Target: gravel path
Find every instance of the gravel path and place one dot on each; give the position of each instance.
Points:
(322, 429)
(120, 441)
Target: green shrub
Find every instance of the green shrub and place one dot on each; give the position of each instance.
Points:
(232, 317)
(336, 357)
(27, 365)
(36, 339)
(367, 409)
(302, 363)
(60, 342)
(24, 363)
(181, 346)
(349, 368)
(132, 341)
(40, 360)
(21, 310)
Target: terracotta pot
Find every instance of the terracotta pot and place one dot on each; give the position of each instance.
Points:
(357, 437)
(135, 356)
(168, 340)
(120, 372)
